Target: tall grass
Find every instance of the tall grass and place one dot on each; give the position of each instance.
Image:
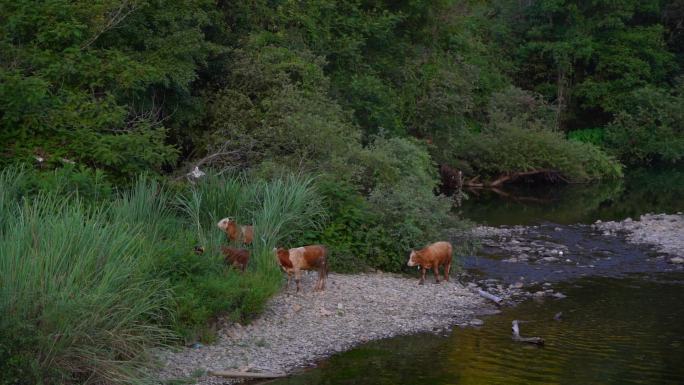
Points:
(280, 210)
(76, 306)
(87, 288)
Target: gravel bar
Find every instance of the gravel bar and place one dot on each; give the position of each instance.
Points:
(297, 330)
(665, 232)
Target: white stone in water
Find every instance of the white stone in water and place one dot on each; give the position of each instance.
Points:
(477, 322)
(677, 260)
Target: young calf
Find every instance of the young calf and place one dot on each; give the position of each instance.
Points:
(432, 256)
(235, 232)
(293, 261)
(237, 258)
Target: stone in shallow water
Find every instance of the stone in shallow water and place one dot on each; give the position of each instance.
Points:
(677, 260)
(477, 322)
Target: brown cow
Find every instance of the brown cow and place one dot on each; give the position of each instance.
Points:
(293, 261)
(237, 258)
(235, 232)
(432, 256)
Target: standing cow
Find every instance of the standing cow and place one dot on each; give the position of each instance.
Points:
(293, 261)
(431, 257)
(235, 232)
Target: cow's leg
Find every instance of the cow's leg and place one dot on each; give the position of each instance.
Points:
(319, 282)
(435, 270)
(325, 277)
(422, 276)
(289, 278)
(298, 278)
(447, 270)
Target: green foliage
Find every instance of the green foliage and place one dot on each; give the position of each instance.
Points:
(651, 128)
(520, 137)
(346, 233)
(587, 56)
(88, 288)
(400, 211)
(595, 136)
(91, 81)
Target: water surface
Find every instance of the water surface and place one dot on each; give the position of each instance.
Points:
(613, 331)
(642, 191)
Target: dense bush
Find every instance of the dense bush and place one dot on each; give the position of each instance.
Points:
(98, 82)
(651, 128)
(595, 136)
(520, 136)
(394, 211)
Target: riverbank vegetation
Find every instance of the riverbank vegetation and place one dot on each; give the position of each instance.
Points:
(91, 282)
(316, 121)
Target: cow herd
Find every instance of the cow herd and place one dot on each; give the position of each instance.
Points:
(315, 257)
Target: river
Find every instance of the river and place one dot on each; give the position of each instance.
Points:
(622, 319)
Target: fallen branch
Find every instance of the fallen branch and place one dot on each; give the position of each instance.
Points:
(236, 374)
(518, 338)
(491, 297)
(509, 177)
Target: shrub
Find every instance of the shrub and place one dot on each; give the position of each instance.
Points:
(395, 211)
(595, 136)
(346, 233)
(520, 137)
(650, 128)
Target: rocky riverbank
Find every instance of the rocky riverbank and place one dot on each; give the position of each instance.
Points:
(664, 232)
(296, 330)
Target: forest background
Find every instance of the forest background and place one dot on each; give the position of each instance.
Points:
(339, 122)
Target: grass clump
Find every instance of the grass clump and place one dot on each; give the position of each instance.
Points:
(88, 287)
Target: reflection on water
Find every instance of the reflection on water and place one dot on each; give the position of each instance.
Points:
(614, 331)
(642, 191)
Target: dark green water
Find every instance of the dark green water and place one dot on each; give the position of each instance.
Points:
(642, 191)
(614, 331)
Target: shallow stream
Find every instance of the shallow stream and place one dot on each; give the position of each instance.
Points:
(622, 321)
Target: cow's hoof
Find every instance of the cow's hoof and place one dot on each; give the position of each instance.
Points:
(436, 282)
(421, 282)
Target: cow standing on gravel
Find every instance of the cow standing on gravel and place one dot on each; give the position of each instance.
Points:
(431, 257)
(293, 261)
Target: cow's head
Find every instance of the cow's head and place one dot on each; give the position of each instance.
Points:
(282, 256)
(223, 223)
(413, 260)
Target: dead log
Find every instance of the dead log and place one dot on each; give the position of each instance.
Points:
(509, 177)
(518, 338)
(237, 374)
(491, 297)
